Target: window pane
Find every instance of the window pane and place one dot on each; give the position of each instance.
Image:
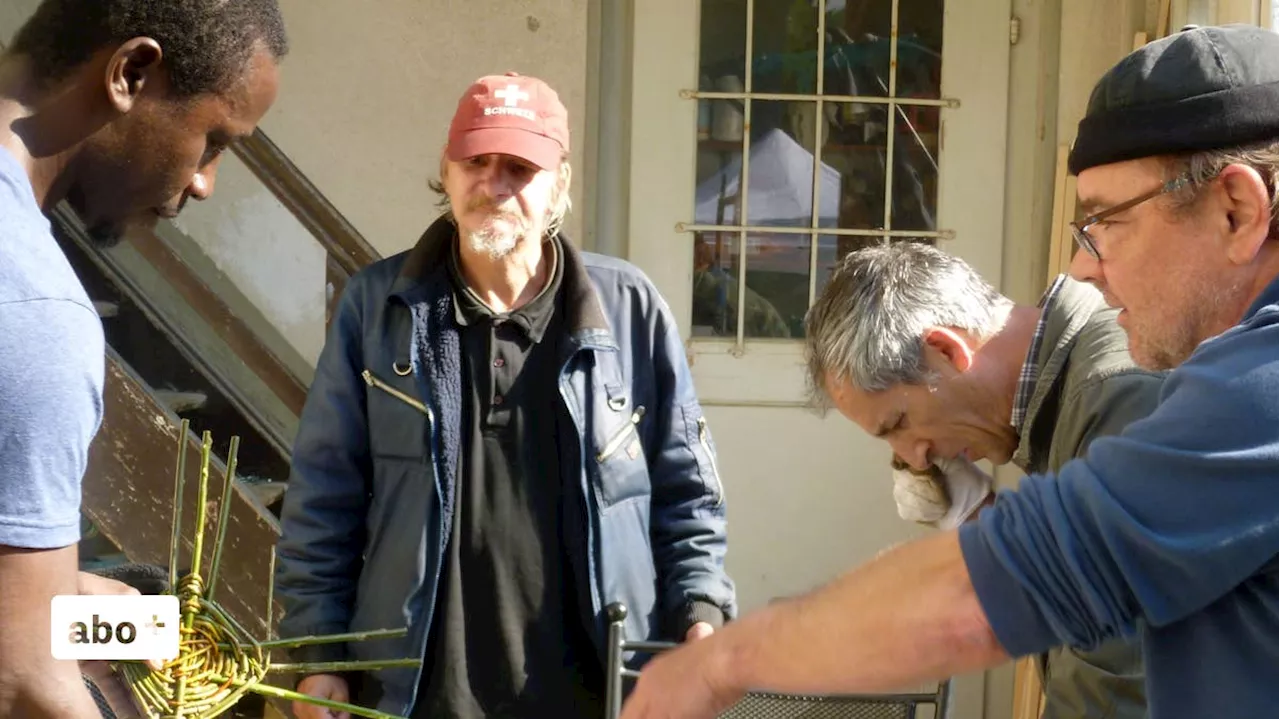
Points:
(777, 292)
(780, 182)
(721, 64)
(915, 169)
(715, 284)
(854, 151)
(858, 42)
(857, 48)
(785, 47)
(919, 48)
(777, 285)
(719, 174)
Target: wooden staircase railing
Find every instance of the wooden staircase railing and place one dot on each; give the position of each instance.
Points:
(155, 279)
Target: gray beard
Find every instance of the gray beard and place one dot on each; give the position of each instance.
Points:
(495, 244)
(495, 240)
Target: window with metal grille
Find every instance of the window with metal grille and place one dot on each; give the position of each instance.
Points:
(817, 133)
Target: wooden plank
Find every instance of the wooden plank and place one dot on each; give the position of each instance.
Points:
(128, 493)
(1247, 12)
(264, 363)
(1139, 39)
(1068, 245)
(1028, 691)
(1058, 230)
(1162, 20)
(205, 346)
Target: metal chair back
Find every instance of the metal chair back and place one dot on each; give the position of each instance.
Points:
(771, 705)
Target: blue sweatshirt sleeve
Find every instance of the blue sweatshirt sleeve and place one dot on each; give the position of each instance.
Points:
(1154, 524)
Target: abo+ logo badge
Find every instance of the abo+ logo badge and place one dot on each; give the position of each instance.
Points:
(114, 627)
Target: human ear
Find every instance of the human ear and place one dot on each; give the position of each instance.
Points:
(949, 345)
(1248, 208)
(133, 66)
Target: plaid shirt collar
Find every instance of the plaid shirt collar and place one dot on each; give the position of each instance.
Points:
(1030, 368)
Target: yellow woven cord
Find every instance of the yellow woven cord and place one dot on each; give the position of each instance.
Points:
(218, 661)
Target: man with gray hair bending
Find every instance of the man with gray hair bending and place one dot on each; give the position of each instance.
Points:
(948, 371)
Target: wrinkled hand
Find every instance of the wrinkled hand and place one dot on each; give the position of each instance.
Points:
(322, 686)
(684, 683)
(945, 496)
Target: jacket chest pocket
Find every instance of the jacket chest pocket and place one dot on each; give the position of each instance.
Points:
(621, 469)
(399, 421)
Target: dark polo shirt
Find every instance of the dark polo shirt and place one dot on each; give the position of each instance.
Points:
(507, 637)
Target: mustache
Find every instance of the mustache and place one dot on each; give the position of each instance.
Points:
(498, 212)
(488, 205)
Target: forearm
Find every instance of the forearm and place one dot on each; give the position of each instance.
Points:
(32, 682)
(909, 616)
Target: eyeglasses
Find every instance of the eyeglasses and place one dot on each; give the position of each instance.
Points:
(1080, 228)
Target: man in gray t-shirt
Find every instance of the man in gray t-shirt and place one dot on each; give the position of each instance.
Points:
(122, 108)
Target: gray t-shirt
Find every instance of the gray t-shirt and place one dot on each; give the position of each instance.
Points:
(52, 359)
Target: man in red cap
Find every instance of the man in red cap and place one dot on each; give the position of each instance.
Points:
(502, 439)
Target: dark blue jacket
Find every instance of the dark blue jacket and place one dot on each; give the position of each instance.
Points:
(368, 511)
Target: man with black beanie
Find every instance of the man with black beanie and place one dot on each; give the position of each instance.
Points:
(1167, 532)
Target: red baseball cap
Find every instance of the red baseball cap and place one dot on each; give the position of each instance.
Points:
(510, 115)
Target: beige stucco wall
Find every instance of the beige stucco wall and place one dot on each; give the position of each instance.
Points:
(12, 13)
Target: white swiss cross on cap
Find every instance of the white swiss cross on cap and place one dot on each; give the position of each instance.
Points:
(511, 95)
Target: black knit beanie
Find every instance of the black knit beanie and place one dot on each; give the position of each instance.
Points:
(1203, 88)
